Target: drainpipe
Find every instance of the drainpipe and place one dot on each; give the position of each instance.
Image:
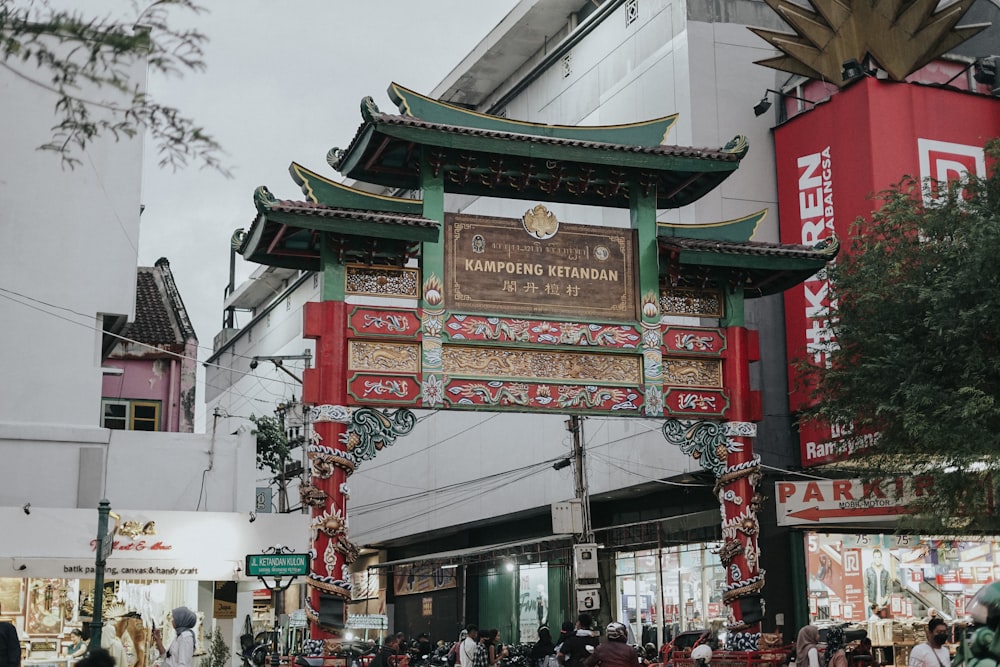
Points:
(173, 397)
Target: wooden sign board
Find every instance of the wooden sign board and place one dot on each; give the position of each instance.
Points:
(495, 265)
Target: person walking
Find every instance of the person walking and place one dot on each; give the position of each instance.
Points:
(10, 646)
(470, 645)
(615, 652)
(807, 647)
(181, 651)
(578, 646)
(455, 652)
(933, 652)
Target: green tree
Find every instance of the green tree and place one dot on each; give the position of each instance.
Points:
(76, 56)
(218, 651)
(272, 443)
(917, 356)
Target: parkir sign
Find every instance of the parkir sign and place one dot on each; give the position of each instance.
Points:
(847, 500)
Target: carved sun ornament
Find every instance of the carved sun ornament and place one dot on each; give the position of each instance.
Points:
(901, 35)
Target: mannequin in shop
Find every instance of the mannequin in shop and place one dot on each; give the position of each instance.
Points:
(113, 645)
(181, 651)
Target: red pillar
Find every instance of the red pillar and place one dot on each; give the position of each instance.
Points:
(325, 386)
(736, 489)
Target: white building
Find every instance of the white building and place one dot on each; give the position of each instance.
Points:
(67, 287)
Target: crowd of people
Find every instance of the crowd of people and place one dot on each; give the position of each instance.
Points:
(577, 645)
(180, 653)
(811, 652)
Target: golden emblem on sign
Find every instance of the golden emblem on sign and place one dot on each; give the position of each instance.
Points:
(540, 222)
(134, 529)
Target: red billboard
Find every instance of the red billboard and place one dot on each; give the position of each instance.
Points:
(832, 158)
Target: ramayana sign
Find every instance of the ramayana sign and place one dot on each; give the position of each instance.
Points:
(866, 138)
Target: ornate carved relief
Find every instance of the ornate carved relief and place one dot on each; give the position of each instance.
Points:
(691, 302)
(382, 281)
(540, 364)
(363, 355)
(692, 372)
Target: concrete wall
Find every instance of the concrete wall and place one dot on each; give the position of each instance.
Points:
(68, 256)
(64, 467)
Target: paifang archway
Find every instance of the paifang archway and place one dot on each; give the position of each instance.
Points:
(530, 314)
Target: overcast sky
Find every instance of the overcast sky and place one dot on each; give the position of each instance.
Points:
(284, 83)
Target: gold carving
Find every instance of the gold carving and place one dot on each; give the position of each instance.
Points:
(692, 372)
(383, 357)
(377, 281)
(466, 361)
(540, 222)
(691, 302)
(134, 529)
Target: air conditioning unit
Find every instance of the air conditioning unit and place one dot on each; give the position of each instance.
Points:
(585, 561)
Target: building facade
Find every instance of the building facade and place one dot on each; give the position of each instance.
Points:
(476, 490)
(68, 287)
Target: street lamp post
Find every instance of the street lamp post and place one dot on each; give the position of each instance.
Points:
(105, 543)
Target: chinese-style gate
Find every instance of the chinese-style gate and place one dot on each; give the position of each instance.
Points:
(531, 314)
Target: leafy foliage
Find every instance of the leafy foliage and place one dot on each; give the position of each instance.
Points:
(217, 654)
(917, 325)
(272, 443)
(75, 56)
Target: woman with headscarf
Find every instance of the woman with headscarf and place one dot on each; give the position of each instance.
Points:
(181, 651)
(835, 656)
(807, 647)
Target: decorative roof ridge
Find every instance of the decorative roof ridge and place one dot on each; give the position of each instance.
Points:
(309, 208)
(651, 132)
(733, 151)
(827, 248)
(322, 190)
(736, 230)
(668, 149)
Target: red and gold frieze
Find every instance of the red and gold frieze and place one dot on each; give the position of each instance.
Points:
(692, 372)
(693, 340)
(542, 332)
(505, 363)
(384, 389)
(696, 401)
(383, 357)
(542, 396)
(390, 322)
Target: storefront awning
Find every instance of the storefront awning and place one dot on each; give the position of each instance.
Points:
(539, 545)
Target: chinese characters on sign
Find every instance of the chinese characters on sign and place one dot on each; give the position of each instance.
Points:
(495, 266)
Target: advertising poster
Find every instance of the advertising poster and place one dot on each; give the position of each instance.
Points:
(825, 176)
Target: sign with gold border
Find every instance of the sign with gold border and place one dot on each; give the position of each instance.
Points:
(494, 265)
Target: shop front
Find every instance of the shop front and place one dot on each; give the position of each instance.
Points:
(678, 588)
(862, 571)
(160, 560)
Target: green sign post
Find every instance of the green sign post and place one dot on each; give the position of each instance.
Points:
(277, 565)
